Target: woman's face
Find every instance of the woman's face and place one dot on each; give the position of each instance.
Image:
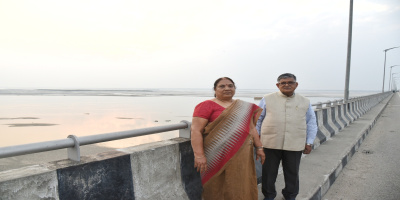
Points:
(225, 89)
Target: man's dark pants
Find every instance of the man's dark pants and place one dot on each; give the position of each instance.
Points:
(290, 164)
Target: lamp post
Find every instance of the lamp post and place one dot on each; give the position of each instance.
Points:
(384, 67)
(347, 81)
(390, 78)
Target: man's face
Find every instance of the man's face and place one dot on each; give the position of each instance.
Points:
(287, 86)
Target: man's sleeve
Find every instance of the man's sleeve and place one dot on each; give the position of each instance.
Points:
(312, 127)
(262, 116)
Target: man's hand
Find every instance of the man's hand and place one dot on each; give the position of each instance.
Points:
(307, 149)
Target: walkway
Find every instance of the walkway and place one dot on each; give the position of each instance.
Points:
(320, 169)
(373, 172)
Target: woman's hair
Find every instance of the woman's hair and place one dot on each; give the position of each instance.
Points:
(220, 79)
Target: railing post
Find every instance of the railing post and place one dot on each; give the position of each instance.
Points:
(74, 153)
(185, 133)
(319, 105)
(328, 104)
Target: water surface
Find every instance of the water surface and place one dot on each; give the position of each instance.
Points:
(28, 116)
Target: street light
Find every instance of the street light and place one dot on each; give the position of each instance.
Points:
(384, 67)
(391, 76)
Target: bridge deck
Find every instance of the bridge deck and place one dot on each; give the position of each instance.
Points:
(373, 172)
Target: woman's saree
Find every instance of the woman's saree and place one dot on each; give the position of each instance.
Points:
(228, 147)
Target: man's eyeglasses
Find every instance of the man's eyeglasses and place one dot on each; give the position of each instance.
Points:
(287, 83)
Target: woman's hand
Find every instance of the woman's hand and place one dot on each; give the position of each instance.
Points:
(257, 143)
(197, 128)
(260, 155)
(200, 163)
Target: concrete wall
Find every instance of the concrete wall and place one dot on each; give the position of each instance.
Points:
(160, 170)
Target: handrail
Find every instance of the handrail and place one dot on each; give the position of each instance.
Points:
(73, 143)
(319, 104)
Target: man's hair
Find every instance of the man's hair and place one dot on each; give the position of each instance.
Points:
(286, 75)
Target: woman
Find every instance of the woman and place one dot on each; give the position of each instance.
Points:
(223, 136)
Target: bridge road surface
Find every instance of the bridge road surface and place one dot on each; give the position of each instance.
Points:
(374, 170)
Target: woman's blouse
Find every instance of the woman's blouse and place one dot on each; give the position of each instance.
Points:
(208, 110)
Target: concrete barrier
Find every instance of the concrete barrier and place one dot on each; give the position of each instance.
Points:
(336, 115)
(341, 116)
(160, 170)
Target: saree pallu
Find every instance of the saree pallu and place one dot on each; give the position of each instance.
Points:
(228, 147)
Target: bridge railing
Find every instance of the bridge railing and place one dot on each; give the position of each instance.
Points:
(333, 116)
(73, 142)
(342, 101)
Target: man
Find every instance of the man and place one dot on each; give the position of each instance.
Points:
(288, 127)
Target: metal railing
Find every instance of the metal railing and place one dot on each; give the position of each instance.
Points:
(73, 142)
(330, 103)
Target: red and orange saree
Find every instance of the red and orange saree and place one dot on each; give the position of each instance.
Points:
(228, 147)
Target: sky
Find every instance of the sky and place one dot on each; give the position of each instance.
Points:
(189, 44)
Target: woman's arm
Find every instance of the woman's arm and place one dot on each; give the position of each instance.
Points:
(257, 143)
(197, 129)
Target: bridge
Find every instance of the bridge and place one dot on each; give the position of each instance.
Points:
(164, 170)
